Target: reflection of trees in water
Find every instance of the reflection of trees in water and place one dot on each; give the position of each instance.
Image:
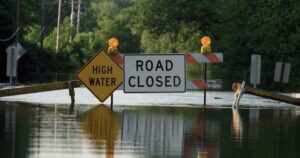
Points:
(197, 139)
(15, 131)
(103, 125)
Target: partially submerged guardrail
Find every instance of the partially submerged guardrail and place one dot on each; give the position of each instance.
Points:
(42, 88)
(191, 85)
(242, 88)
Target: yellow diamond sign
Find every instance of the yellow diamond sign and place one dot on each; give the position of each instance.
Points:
(101, 75)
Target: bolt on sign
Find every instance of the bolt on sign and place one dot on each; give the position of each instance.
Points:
(154, 73)
(101, 75)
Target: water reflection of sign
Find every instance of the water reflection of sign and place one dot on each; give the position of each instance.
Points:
(154, 73)
(101, 75)
(104, 126)
(161, 135)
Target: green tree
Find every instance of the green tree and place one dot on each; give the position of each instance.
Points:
(169, 19)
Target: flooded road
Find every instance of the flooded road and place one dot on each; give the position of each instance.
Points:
(190, 98)
(37, 130)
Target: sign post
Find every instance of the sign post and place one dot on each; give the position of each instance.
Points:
(154, 73)
(101, 75)
(113, 44)
(205, 81)
(255, 69)
(205, 49)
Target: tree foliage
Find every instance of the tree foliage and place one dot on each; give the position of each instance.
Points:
(239, 28)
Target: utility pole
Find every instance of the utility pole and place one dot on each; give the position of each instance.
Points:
(43, 24)
(15, 79)
(72, 12)
(18, 20)
(58, 26)
(78, 16)
(72, 18)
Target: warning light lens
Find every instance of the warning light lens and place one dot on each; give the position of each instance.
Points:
(113, 42)
(205, 41)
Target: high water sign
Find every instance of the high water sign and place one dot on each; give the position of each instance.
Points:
(150, 73)
(101, 75)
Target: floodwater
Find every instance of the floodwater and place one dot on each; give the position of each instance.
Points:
(87, 131)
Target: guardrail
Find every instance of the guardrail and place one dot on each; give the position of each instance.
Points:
(42, 88)
(190, 85)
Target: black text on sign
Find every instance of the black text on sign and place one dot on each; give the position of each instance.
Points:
(154, 73)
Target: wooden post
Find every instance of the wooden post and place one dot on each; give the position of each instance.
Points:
(267, 94)
(238, 95)
(43, 24)
(78, 17)
(18, 20)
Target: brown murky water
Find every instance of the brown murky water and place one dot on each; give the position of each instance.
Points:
(28, 130)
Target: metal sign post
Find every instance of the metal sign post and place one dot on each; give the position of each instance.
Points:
(12, 67)
(205, 80)
(111, 101)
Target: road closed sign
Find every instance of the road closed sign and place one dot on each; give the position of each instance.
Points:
(154, 73)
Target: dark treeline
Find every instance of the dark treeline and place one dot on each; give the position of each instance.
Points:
(238, 28)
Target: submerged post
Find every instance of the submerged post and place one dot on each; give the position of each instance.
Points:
(239, 91)
(112, 101)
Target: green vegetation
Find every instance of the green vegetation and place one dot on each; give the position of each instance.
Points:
(238, 29)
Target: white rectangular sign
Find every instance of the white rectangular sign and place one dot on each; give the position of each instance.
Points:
(154, 73)
(282, 72)
(12, 62)
(255, 69)
(14, 53)
(286, 72)
(278, 71)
